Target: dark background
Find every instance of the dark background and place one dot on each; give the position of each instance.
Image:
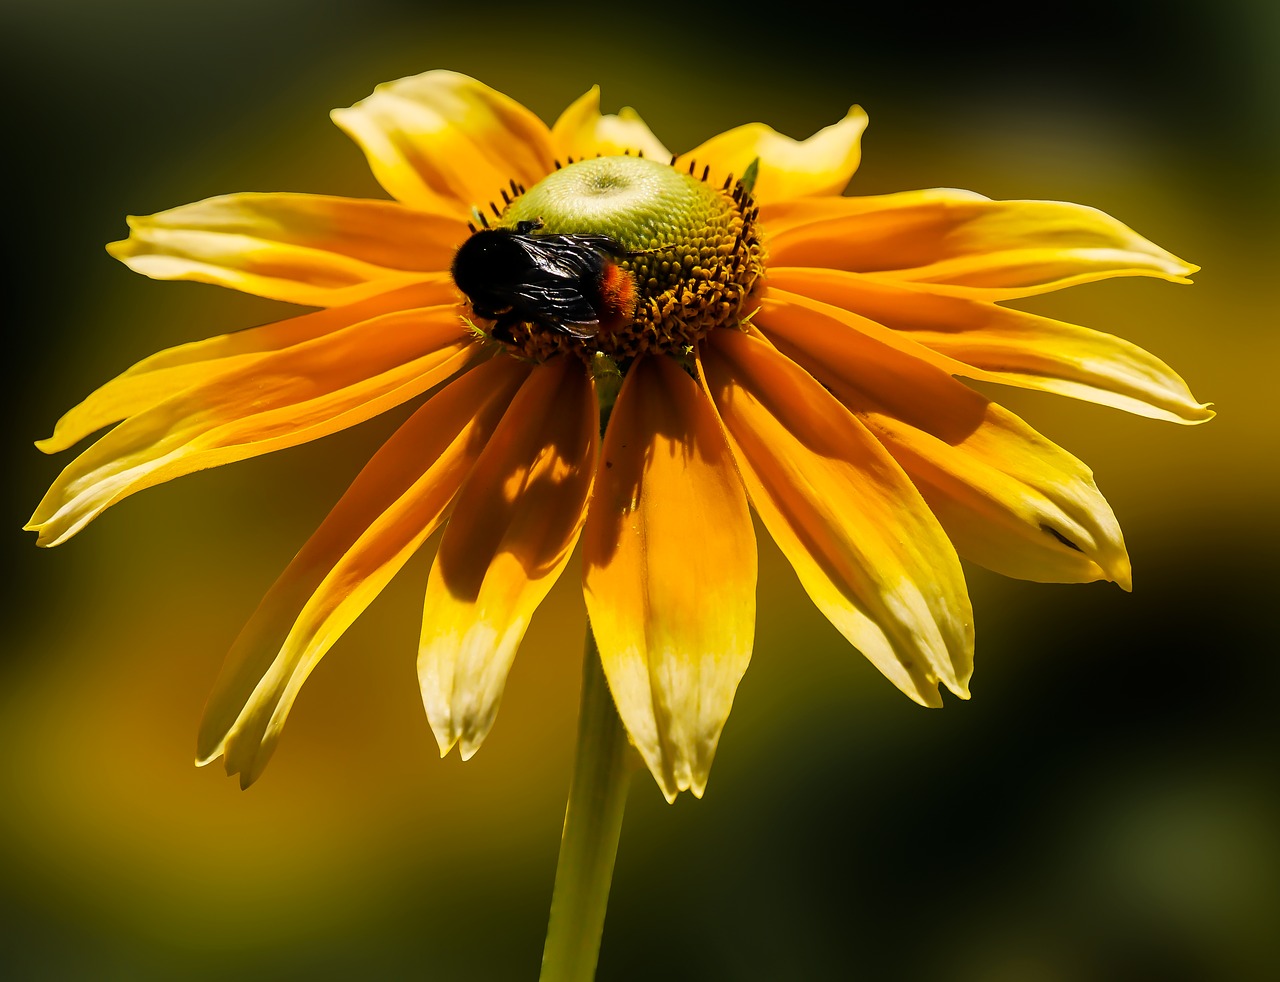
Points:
(1105, 808)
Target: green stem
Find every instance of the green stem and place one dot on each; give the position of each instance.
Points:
(592, 825)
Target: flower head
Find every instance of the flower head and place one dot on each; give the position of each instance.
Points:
(753, 338)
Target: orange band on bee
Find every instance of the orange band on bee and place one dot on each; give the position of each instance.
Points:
(617, 297)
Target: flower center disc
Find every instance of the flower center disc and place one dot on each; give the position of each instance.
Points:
(690, 249)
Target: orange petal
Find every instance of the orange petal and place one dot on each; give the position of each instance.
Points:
(168, 372)
(788, 215)
(674, 624)
(1008, 498)
(516, 522)
(964, 244)
(302, 248)
(863, 542)
(273, 400)
(851, 332)
(395, 503)
(820, 165)
(1010, 346)
(444, 142)
(581, 131)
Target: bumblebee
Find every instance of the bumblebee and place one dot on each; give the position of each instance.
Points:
(569, 284)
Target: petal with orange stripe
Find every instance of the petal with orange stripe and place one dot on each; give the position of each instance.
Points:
(1010, 346)
(861, 539)
(302, 248)
(444, 142)
(674, 623)
(793, 215)
(273, 400)
(399, 498)
(1008, 498)
(961, 243)
(515, 524)
(168, 372)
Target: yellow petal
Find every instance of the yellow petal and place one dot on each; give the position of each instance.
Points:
(1008, 498)
(862, 541)
(822, 164)
(444, 142)
(516, 522)
(1010, 346)
(168, 372)
(395, 503)
(581, 131)
(963, 244)
(674, 624)
(302, 248)
(777, 217)
(273, 400)
(855, 329)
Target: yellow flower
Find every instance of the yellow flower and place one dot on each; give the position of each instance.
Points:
(782, 347)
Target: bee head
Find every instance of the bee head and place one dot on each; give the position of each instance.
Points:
(488, 266)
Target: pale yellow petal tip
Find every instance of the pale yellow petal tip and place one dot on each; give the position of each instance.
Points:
(251, 767)
(445, 742)
(449, 734)
(1206, 414)
(44, 539)
(1116, 567)
(467, 743)
(672, 778)
(927, 696)
(930, 696)
(849, 129)
(247, 774)
(124, 249)
(582, 130)
(247, 777)
(672, 791)
(337, 113)
(586, 105)
(1178, 270)
(211, 739)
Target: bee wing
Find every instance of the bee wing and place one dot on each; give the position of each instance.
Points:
(560, 303)
(602, 245)
(566, 257)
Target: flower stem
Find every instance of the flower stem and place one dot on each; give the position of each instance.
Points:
(592, 824)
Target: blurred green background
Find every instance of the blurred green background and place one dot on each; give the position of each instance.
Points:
(1107, 807)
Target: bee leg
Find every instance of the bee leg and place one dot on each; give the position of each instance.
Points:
(501, 331)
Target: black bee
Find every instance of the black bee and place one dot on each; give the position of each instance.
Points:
(568, 284)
